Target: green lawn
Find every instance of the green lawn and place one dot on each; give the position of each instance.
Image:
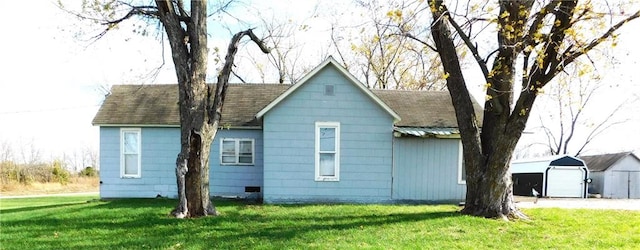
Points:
(84, 222)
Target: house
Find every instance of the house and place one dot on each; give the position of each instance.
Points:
(614, 175)
(554, 176)
(327, 138)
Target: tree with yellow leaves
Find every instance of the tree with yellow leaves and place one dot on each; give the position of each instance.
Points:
(533, 42)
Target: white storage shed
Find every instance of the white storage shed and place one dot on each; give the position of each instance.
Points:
(556, 176)
(614, 175)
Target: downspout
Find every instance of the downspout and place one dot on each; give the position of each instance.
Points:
(393, 161)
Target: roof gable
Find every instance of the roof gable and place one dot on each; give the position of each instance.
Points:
(605, 161)
(351, 79)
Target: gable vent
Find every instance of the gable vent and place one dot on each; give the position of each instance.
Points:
(329, 90)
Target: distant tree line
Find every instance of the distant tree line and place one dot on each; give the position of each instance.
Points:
(41, 172)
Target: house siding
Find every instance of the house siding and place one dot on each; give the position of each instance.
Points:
(365, 144)
(231, 180)
(159, 148)
(427, 170)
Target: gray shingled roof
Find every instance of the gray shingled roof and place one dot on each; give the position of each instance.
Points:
(598, 163)
(157, 105)
(423, 108)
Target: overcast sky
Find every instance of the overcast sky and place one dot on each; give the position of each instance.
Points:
(51, 84)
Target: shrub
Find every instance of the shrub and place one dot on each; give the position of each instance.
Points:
(88, 172)
(11, 172)
(60, 174)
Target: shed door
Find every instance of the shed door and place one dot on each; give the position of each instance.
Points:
(634, 185)
(565, 182)
(625, 185)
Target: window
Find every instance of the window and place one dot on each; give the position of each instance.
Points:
(236, 151)
(130, 153)
(462, 173)
(327, 151)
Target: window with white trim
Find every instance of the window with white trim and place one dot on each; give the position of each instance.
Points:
(130, 166)
(234, 151)
(462, 173)
(327, 148)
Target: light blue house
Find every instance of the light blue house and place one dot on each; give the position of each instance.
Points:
(327, 138)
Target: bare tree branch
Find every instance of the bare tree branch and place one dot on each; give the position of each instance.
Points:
(474, 49)
(572, 55)
(215, 108)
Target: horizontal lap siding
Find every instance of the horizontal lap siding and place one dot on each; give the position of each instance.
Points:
(427, 170)
(230, 180)
(160, 146)
(365, 144)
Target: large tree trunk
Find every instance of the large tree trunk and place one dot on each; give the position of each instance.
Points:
(487, 153)
(486, 157)
(190, 54)
(200, 104)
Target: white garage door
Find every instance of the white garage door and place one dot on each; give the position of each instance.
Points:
(565, 182)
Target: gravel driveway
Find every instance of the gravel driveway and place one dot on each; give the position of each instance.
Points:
(592, 203)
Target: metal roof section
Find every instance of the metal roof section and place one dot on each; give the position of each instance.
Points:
(427, 132)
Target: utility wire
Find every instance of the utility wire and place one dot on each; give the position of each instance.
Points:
(46, 110)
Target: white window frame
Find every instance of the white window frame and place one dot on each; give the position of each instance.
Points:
(461, 166)
(237, 151)
(138, 132)
(336, 126)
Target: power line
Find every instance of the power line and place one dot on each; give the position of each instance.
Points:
(46, 110)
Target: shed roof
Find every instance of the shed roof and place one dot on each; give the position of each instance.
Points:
(602, 162)
(552, 160)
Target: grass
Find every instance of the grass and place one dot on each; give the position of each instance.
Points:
(84, 222)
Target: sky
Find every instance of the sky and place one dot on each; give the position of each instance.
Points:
(53, 80)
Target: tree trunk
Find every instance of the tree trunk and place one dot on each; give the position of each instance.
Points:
(486, 157)
(190, 54)
(200, 104)
(487, 154)
(199, 125)
(489, 189)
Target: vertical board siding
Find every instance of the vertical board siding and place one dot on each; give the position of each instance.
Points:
(159, 148)
(365, 144)
(622, 180)
(427, 170)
